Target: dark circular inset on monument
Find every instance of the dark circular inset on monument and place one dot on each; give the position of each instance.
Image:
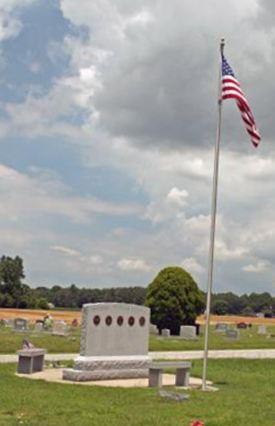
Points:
(108, 320)
(131, 321)
(96, 319)
(142, 321)
(120, 320)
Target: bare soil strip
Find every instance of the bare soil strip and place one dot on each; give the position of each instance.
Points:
(68, 316)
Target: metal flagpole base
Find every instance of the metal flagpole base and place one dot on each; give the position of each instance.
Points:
(209, 388)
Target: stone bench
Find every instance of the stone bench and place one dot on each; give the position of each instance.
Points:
(182, 372)
(30, 360)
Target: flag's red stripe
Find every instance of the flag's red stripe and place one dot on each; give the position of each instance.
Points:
(229, 86)
(230, 79)
(231, 90)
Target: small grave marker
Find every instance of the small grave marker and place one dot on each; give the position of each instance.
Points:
(221, 327)
(60, 328)
(20, 324)
(232, 334)
(262, 330)
(165, 332)
(188, 332)
(39, 326)
(153, 329)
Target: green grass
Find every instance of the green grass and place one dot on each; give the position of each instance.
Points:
(249, 339)
(245, 397)
(11, 341)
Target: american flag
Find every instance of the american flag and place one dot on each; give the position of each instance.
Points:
(231, 89)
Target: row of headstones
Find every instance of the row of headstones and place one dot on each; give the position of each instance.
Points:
(224, 327)
(188, 332)
(21, 324)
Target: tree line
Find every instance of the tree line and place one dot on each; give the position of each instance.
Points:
(16, 294)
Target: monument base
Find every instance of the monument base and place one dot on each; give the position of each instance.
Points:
(107, 368)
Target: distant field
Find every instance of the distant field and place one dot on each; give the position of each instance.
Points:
(35, 314)
(234, 319)
(68, 316)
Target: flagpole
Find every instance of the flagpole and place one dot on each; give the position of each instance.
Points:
(213, 226)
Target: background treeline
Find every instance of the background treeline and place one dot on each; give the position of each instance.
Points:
(15, 294)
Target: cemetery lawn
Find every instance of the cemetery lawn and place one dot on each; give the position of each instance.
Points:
(11, 341)
(245, 397)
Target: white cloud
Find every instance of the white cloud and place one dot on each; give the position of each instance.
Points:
(192, 266)
(177, 196)
(133, 265)
(25, 196)
(10, 25)
(259, 266)
(223, 252)
(146, 110)
(66, 250)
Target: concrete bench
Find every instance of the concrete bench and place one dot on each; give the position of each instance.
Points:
(182, 372)
(30, 360)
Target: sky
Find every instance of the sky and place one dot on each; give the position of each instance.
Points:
(108, 114)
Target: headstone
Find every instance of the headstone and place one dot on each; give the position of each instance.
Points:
(20, 324)
(60, 328)
(114, 342)
(262, 329)
(259, 315)
(221, 327)
(232, 334)
(10, 322)
(242, 325)
(165, 332)
(153, 329)
(39, 326)
(188, 332)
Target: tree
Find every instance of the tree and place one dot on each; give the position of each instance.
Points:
(42, 303)
(220, 307)
(174, 299)
(11, 274)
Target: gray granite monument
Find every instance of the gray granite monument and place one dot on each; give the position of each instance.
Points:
(114, 343)
(188, 332)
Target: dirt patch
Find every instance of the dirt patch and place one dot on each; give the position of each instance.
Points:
(33, 314)
(234, 319)
(68, 316)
